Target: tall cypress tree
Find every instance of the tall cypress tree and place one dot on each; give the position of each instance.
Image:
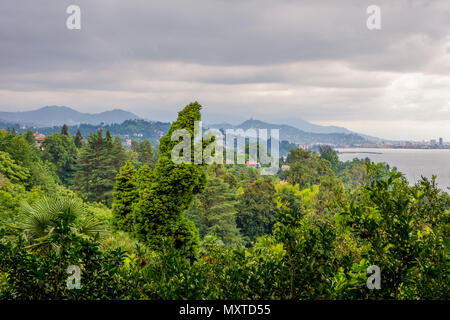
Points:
(159, 215)
(125, 194)
(144, 177)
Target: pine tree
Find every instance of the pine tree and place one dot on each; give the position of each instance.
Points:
(125, 195)
(145, 152)
(65, 130)
(214, 212)
(96, 174)
(78, 140)
(159, 215)
(117, 154)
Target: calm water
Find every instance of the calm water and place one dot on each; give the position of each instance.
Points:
(412, 162)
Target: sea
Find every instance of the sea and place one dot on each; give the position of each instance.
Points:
(414, 163)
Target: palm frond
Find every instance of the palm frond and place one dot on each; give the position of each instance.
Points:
(40, 218)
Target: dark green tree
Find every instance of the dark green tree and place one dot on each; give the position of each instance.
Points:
(30, 138)
(117, 156)
(214, 212)
(256, 209)
(78, 139)
(96, 173)
(60, 150)
(21, 151)
(327, 153)
(306, 168)
(146, 153)
(65, 130)
(125, 195)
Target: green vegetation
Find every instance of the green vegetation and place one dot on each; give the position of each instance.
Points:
(142, 227)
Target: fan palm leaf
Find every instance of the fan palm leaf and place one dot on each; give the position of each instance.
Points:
(40, 219)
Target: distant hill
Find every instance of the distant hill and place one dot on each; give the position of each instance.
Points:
(307, 127)
(126, 124)
(295, 135)
(304, 126)
(316, 128)
(57, 116)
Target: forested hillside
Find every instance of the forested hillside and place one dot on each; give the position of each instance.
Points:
(139, 226)
(138, 129)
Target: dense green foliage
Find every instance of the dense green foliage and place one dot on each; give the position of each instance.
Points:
(125, 195)
(257, 210)
(142, 227)
(60, 149)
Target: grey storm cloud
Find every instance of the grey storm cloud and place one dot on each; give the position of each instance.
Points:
(274, 60)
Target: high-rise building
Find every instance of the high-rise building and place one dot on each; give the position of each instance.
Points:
(441, 141)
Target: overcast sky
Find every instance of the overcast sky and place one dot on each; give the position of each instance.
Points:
(276, 61)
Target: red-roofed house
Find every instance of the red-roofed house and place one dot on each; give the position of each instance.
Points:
(254, 164)
(39, 138)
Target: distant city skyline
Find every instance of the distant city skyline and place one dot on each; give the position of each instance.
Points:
(276, 61)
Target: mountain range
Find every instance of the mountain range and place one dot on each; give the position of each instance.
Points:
(299, 136)
(57, 116)
(51, 117)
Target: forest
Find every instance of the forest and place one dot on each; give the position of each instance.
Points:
(138, 226)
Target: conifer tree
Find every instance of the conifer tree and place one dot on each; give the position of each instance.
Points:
(96, 173)
(125, 194)
(30, 138)
(65, 130)
(117, 154)
(78, 140)
(214, 212)
(145, 152)
(144, 177)
(159, 215)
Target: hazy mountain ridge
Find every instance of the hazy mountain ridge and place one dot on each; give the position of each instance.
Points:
(58, 115)
(296, 135)
(120, 122)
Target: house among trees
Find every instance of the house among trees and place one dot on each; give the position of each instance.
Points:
(39, 138)
(254, 164)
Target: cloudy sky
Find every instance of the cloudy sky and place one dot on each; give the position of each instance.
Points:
(276, 61)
